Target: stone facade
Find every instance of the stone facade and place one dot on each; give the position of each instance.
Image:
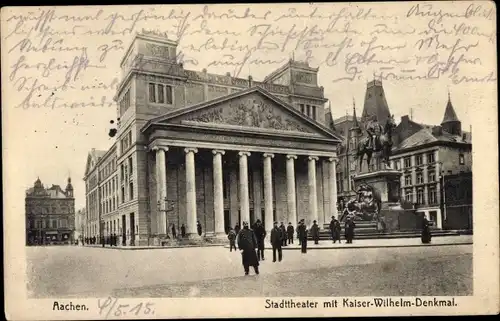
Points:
(50, 214)
(193, 146)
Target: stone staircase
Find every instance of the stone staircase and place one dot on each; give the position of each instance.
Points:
(368, 230)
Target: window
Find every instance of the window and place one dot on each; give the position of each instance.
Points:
(398, 164)
(152, 96)
(340, 183)
(432, 195)
(130, 165)
(461, 159)
(64, 223)
(302, 108)
(407, 180)
(420, 178)
(409, 195)
(420, 196)
(161, 97)
(407, 162)
(123, 195)
(54, 223)
(125, 102)
(308, 110)
(122, 170)
(160, 94)
(131, 190)
(432, 174)
(430, 158)
(313, 112)
(419, 160)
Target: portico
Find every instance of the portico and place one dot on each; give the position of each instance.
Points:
(243, 157)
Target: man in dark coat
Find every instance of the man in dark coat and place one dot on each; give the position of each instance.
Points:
(349, 229)
(289, 231)
(198, 227)
(315, 232)
(260, 234)
(336, 230)
(231, 236)
(302, 230)
(247, 243)
(183, 231)
(174, 232)
(426, 232)
(276, 242)
(283, 234)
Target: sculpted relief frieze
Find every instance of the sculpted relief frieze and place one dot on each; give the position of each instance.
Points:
(251, 112)
(158, 51)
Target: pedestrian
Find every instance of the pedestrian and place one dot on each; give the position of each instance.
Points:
(426, 232)
(283, 233)
(231, 236)
(276, 242)
(303, 236)
(289, 231)
(174, 232)
(315, 232)
(260, 234)
(336, 230)
(198, 227)
(298, 234)
(247, 243)
(183, 231)
(349, 229)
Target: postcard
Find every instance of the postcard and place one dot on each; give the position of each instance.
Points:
(250, 160)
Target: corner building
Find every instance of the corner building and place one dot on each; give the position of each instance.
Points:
(193, 146)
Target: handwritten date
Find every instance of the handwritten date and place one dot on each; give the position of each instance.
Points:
(117, 308)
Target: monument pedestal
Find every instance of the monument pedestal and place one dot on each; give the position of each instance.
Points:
(385, 186)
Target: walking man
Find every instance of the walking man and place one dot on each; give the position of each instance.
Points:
(198, 227)
(231, 236)
(260, 234)
(303, 236)
(183, 231)
(174, 232)
(276, 242)
(336, 230)
(247, 243)
(315, 232)
(290, 230)
(349, 230)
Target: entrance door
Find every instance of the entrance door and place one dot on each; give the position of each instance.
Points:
(132, 229)
(124, 231)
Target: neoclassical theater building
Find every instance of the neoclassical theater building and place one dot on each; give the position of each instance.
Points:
(198, 147)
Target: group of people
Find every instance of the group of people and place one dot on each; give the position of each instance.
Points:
(251, 242)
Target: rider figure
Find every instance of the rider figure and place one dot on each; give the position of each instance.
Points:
(374, 130)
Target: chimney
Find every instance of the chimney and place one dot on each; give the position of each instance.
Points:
(249, 81)
(437, 130)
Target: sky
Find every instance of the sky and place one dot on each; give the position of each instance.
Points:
(55, 57)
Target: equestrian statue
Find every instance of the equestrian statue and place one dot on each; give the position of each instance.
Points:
(378, 139)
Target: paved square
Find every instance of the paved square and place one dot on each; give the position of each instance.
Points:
(216, 272)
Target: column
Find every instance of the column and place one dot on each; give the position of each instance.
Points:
(313, 197)
(218, 193)
(268, 191)
(332, 187)
(244, 199)
(191, 192)
(161, 191)
(290, 185)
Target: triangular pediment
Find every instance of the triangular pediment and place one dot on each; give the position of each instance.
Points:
(254, 109)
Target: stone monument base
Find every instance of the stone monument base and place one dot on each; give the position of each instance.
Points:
(386, 186)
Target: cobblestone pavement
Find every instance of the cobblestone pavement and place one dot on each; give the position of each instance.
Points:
(216, 272)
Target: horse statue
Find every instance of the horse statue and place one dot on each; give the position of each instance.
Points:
(376, 142)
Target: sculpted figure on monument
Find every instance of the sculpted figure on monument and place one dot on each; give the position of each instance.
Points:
(378, 140)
